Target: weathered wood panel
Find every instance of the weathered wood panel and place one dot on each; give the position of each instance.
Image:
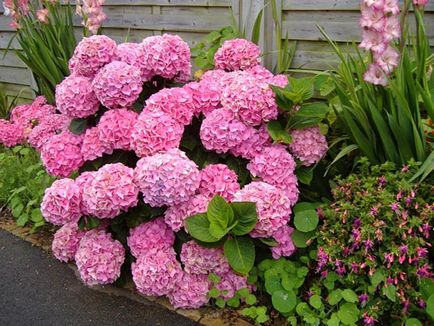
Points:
(339, 18)
(133, 20)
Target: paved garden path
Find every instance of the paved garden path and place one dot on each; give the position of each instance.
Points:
(37, 290)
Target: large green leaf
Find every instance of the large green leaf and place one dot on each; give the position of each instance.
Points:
(240, 252)
(284, 301)
(348, 313)
(198, 227)
(277, 133)
(305, 217)
(246, 216)
(220, 216)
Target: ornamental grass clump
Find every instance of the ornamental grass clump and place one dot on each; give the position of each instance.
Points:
(145, 158)
(377, 237)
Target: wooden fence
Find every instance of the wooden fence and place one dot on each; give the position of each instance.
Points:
(193, 19)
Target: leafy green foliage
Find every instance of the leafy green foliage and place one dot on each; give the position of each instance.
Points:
(229, 224)
(46, 48)
(6, 102)
(371, 216)
(204, 51)
(23, 181)
(386, 123)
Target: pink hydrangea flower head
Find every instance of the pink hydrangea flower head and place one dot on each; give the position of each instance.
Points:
(285, 247)
(205, 96)
(221, 132)
(237, 54)
(111, 191)
(155, 234)
(190, 292)
(280, 81)
(91, 54)
(157, 273)
(61, 202)
(117, 85)
(29, 116)
(175, 102)
(154, 132)
(230, 283)
(272, 205)
(308, 145)
(251, 100)
(201, 260)
(93, 147)
(75, 97)
(11, 134)
(168, 178)
(51, 125)
(99, 258)
(167, 56)
(131, 53)
(276, 167)
(66, 241)
(257, 140)
(175, 215)
(84, 181)
(115, 128)
(218, 77)
(261, 73)
(61, 154)
(218, 179)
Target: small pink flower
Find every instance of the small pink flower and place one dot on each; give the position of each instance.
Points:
(375, 75)
(42, 15)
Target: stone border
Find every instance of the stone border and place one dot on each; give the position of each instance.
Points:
(207, 316)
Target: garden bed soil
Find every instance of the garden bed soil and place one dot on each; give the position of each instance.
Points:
(43, 237)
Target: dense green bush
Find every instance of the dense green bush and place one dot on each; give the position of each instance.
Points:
(22, 184)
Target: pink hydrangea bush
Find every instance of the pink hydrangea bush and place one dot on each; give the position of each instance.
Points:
(66, 241)
(61, 203)
(161, 159)
(99, 258)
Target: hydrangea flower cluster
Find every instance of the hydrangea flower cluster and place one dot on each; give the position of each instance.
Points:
(381, 26)
(142, 166)
(99, 258)
(308, 145)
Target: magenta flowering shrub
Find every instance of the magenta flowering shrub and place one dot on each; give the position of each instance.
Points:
(148, 153)
(376, 237)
